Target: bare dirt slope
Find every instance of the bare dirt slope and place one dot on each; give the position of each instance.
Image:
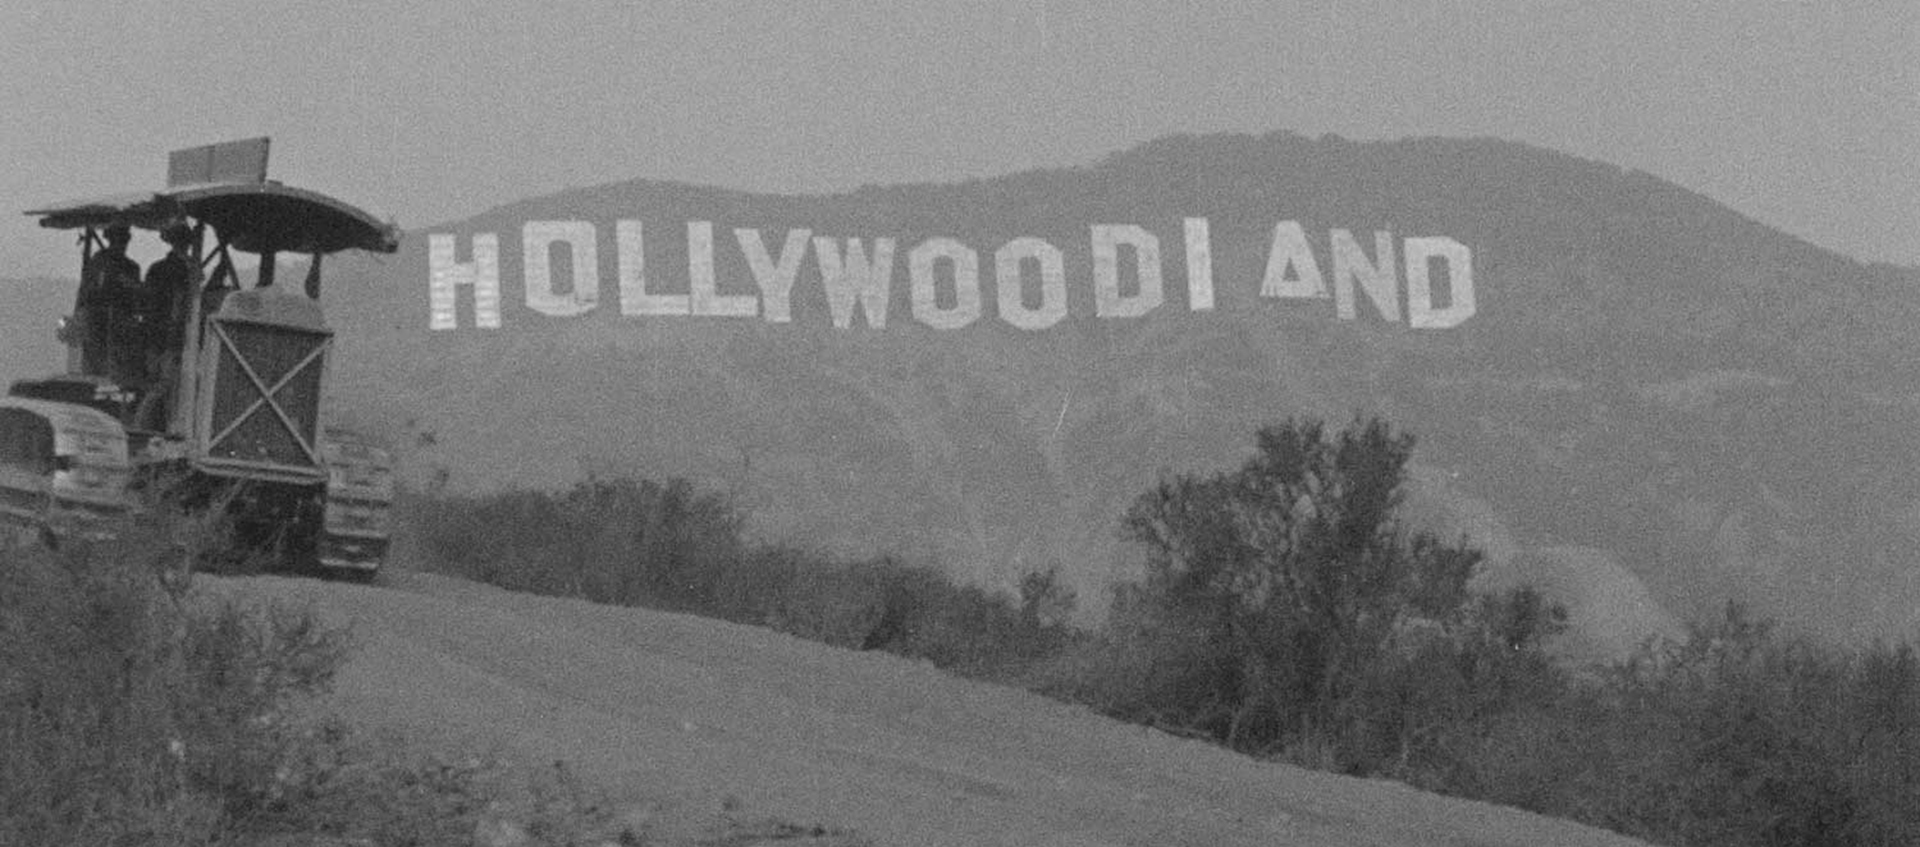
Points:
(672, 709)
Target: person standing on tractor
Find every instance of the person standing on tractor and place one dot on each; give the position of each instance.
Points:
(163, 321)
(109, 287)
(169, 284)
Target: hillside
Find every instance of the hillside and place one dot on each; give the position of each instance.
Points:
(673, 715)
(28, 347)
(1650, 384)
(1656, 403)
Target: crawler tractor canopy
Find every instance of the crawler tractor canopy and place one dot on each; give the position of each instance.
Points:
(215, 380)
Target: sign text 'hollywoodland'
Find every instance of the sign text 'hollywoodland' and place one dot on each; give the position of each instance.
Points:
(946, 280)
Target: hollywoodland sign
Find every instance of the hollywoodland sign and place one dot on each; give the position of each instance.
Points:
(947, 283)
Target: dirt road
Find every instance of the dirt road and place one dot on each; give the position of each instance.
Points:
(672, 709)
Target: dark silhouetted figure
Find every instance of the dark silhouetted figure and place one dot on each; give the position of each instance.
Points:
(163, 322)
(169, 285)
(109, 287)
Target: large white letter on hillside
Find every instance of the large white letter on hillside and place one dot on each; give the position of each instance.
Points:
(445, 275)
(1378, 278)
(1009, 283)
(1107, 300)
(775, 281)
(966, 283)
(537, 267)
(1459, 260)
(854, 277)
(707, 299)
(1199, 265)
(1290, 250)
(634, 299)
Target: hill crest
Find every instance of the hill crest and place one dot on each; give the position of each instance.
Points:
(1647, 377)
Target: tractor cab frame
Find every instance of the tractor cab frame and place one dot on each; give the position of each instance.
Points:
(233, 398)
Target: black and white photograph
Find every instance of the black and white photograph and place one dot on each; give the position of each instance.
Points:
(1033, 423)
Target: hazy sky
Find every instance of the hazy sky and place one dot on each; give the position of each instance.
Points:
(1804, 115)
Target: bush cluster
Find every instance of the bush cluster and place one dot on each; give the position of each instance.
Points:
(1286, 613)
(1735, 736)
(667, 546)
(128, 711)
(136, 709)
(673, 544)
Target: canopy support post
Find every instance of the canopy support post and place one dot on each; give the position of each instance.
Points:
(313, 278)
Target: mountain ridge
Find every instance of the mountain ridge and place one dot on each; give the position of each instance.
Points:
(1649, 379)
(1635, 347)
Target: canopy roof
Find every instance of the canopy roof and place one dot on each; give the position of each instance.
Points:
(257, 217)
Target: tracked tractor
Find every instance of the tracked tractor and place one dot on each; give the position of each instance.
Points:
(203, 388)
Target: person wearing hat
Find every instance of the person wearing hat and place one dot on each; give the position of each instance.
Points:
(169, 283)
(164, 320)
(108, 283)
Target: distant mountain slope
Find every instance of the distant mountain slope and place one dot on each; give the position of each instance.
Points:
(1649, 378)
(27, 344)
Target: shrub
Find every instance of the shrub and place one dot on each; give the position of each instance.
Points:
(1282, 593)
(610, 541)
(1045, 601)
(135, 710)
(1736, 736)
(126, 711)
(667, 546)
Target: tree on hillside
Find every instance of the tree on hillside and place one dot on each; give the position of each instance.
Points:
(1287, 585)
